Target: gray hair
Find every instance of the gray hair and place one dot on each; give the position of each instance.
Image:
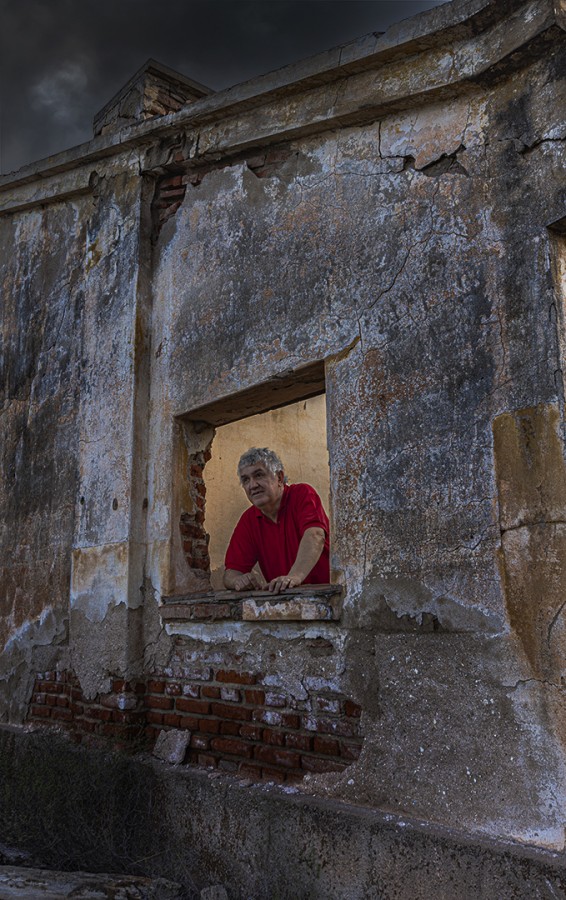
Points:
(262, 455)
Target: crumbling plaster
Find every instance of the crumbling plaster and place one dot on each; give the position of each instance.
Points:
(403, 238)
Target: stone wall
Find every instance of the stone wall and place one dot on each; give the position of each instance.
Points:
(383, 224)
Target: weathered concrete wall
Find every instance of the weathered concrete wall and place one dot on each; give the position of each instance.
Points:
(385, 214)
(42, 301)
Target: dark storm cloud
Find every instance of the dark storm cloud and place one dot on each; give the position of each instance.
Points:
(62, 60)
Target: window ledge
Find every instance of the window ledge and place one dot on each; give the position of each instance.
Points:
(308, 603)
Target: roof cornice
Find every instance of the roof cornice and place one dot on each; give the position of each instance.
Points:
(435, 54)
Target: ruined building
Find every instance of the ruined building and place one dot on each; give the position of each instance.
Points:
(360, 261)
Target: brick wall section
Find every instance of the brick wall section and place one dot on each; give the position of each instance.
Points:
(170, 189)
(169, 194)
(118, 717)
(240, 722)
(195, 538)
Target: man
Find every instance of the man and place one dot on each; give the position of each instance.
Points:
(285, 530)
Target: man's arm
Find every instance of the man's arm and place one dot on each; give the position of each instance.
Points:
(241, 581)
(308, 554)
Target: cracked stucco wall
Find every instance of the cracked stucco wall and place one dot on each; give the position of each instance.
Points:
(41, 314)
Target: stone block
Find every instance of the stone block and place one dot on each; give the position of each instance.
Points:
(171, 746)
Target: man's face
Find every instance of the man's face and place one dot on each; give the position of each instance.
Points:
(262, 488)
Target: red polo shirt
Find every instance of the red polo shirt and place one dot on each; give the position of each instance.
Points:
(274, 545)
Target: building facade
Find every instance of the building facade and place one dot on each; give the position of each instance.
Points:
(365, 251)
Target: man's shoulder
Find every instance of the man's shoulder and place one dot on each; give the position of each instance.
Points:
(300, 493)
(301, 488)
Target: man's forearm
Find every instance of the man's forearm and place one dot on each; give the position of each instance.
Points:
(309, 553)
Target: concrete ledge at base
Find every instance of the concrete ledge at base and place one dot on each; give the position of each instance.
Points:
(307, 603)
(259, 841)
(17, 883)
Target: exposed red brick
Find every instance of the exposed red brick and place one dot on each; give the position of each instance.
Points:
(63, 715)
(252, 732)
(255, 697)
(327, 746)
(189, 722)
(325, 725)
(155, 718)
(205, 760)
(171, 181)
(208, 610)
(97, 712)
(350, 751)
(272, 775)
(189, 529)
(352, 709)
(171, 194)
(231, 745)
(155, 687)
(298, 741)
(173, 689)
(232, 677)
(290, 720)
(127, 717)
(231, 712)
(211, 726)
(276, 738)
(200, 741)
(41, 712)
(276, 756)
(200, 707)
(161, 703)
(249, 770)
(230, 727)
(211, 691)
(171, 719)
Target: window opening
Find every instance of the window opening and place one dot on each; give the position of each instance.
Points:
(287, 414)
(296, 432)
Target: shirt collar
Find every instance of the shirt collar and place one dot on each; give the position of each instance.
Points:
(282, 505)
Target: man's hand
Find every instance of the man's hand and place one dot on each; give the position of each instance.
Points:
(242, 581)
(308, 554)
(283, 582)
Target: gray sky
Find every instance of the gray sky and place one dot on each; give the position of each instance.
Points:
(62, 60)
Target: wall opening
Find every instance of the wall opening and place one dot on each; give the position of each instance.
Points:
(287, 414)
(296, 432)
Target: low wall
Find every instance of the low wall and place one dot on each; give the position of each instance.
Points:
(77, 808)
